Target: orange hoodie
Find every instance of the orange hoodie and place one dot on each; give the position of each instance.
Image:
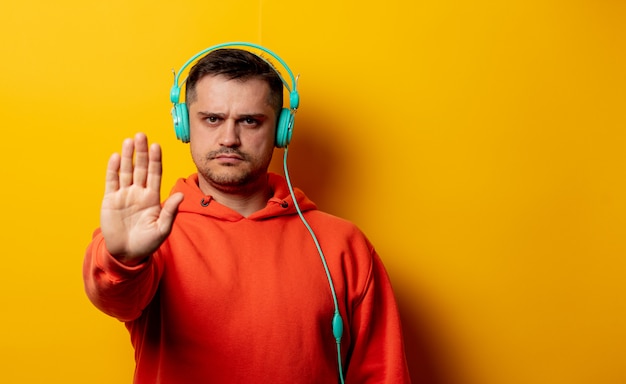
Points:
(233, 299)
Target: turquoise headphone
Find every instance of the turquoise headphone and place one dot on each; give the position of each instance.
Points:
(285, 121)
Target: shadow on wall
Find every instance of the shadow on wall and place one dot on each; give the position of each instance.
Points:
(317, 167)
(313, 167)
(425, 365)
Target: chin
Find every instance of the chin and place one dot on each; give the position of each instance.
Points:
(231, 180)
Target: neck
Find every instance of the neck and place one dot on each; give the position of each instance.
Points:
(243, 199)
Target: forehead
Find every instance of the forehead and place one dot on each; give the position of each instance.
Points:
(220, 89)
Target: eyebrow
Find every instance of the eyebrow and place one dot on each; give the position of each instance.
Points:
(242, 116)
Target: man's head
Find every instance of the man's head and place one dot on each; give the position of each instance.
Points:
(234, 99)
(235, 64)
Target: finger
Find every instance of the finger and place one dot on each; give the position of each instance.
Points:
(112, 181)
(126, 163)
(155, 168)
(140, 171)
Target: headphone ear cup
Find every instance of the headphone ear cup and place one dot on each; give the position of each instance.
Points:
(284, 128)
(180, 116)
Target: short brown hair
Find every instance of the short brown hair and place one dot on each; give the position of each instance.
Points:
(236, 64)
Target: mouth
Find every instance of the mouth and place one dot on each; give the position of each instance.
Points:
(226, 155)
(227, 158)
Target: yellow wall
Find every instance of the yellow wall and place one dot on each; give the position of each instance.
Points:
(479, 144)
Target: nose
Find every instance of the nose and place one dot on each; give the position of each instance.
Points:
(229, 134)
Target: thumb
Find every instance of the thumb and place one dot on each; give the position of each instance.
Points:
(169, 210)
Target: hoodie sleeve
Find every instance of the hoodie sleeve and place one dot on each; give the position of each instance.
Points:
(377, 352)
(117, 289)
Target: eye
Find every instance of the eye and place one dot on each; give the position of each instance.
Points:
(249, 121)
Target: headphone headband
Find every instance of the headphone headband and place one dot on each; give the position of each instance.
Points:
(294, 100)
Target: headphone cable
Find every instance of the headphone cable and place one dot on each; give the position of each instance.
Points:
(337, 322)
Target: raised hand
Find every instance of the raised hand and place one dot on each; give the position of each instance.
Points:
(132, 220)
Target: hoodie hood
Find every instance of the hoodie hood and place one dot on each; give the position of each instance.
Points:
(280, 204)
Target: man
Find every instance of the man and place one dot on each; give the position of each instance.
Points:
(222, 282)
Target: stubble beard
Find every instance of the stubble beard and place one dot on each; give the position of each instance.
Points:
(231, 178)
(228, 179)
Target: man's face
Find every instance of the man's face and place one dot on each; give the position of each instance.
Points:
(232, 129)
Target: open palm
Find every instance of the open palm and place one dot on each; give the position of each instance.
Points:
(133, 222)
